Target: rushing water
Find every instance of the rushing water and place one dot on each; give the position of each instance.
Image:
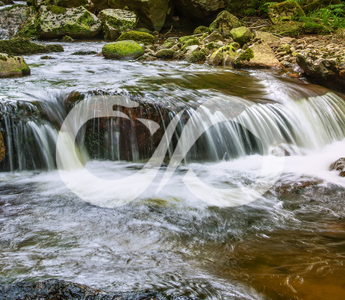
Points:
(288, 244)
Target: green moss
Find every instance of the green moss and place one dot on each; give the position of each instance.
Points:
(191, 42)
(282, 12)
(122, 50)
(165, 54)
(201, 29)
(184, 39)
(137, 36)
(25, 46)
(246, 55)
(293, 29)
(314, 28)
(241, 35)
(211, 46)
(67, 38)
(57, 10)
(197, 57)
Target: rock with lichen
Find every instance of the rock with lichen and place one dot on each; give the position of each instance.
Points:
(122, 50)
(12, 66)
(241, 35)
(138, 36)
(165, 54)
(224, 22)
(285, 11)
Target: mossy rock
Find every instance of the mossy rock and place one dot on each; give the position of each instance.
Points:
(225, 55)
(145, 30)
(191, 42)
(2, 147)
(12, 66)
(67, 39)
(122, 50)
(201, 29)
(168, 43)
(244, 56)
(137, 36)
(29, 27)
(213, 37)
(165, 54)
(74, 22)
(196, 57)
(184, 39)
(224, 22)
(117, 21)
(241, 35)
(314, 28)
(293, 29)
(285, 11)
(21, 46)
(211, 46)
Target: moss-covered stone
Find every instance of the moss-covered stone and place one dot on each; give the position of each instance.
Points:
(225, 55)
(293, 29)
(213, 37)
(201, 29)
(190, 42)
(211, 46)
(75, 22)
(224, 22)
(137, 36)
(122, 50)
(241, 35)
(184, 39)
(285, 11)
(13, 66)
(117, 21)
(314, 28)
(165, 54)
(196, 57)
(2, 147)
(21, 46)
(29, 27)
(67, 39)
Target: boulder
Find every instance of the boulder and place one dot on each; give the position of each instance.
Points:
(339, 166)
(57, 21)
(2, 147)
(225, 55)
(201, 30)
(11, 19)
(116, 21)
(168, 43)
(196, 57)
(165, 54)
(266, 37)
(28, 28)
(285, 11)
(224, 22)
(23, 46)
(199, 8)
(241, 35)
(290, 28)
(329, 72)
(123, 50)
(152, 13)
(12, 66)
(88, 4)
(258, 56)
(141, 37)
(213, 37)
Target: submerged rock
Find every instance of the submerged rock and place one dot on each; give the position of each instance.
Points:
(224, 22)
(2, 147)
(56, 22)
(339, 166)
(116, 21)
(122, 50)
(13, 66)
(138, 36)
(285, 11)
(25, 46)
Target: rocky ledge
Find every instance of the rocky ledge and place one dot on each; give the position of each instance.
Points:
(63, 290)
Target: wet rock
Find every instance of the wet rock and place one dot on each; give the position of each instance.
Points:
(258, 56)
(152, 13)
(224, 56)
(67, 39)
(224, 22)
(199, 8)
(123, 50)
(13, 66)
(196, 57)
(60, 289)
(241, 35)
(56, 22)
(137, 36)
(11, 19)
(165, 54)
(85, 53)
(2, 147)
(117, 21)
(20, 46)
(339, 166)
(285, 11)
(329, 72)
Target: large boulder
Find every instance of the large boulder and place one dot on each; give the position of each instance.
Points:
(123, 50)
(199, 8)
(152, 13)
(138, 36)
(57, 21)
(116, 21)
(22, 46)
(339, 166)
(258, 56)
(285, 11)
(241, 35)
(329, 72)
(2, 147)
(12, 66)
(11, 19)
(224, 22)
(29, 27)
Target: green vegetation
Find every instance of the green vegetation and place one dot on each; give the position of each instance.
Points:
(137, 36)
(57, 10)
(18, 46)
(122, 50)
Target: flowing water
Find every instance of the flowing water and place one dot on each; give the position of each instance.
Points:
(287, 244)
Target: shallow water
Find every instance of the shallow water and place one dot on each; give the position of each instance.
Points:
(284, 245)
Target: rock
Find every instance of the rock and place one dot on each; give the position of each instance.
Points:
(137, 36)
(190, 42)
(266, 37)
(189, 50)
(199, 8)
(56, 22)
(85, 53)
(329, 72)
(201, 29)
(339, 166)
(60, 289)
(213, 37)
(28, 28)
(196, 57)
(117, 21)
(12, 66)
(152, 13)
(285, 11)
(224, 22)
(67, 39)
(284, 48)
(165, 54)
(11, 19)
(25, 46)
(168, 43)
(258, 56)
(241, 35)
(2, 147)
(122, 50)
(292, 28)
(225, 55)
